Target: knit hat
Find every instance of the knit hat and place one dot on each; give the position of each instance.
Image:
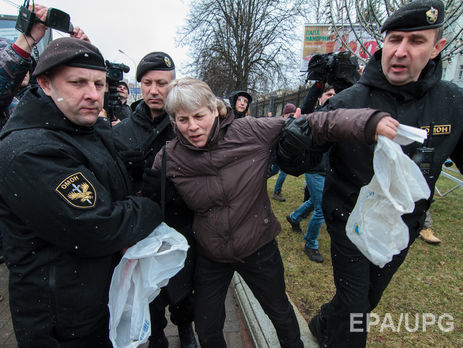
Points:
(125, 84)
(71, 52)
(416, 15)
(154, 61)
(289, 109)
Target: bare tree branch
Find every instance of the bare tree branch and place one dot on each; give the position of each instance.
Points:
(370, 14)
(241, 44)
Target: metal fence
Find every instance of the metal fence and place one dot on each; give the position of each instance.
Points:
(275, 103)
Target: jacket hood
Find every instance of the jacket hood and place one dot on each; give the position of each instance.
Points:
(37, 110)
(234, 97)
(219, 127)
(373, 76)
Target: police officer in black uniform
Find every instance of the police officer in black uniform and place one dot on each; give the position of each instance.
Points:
(404, 79)
(140, 138)
(149, 128)
(65, 203)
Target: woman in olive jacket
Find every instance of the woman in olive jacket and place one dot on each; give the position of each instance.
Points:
(218, 165)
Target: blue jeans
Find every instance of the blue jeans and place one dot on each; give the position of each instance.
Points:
(315, 184)
(273, 169)
(280, 180)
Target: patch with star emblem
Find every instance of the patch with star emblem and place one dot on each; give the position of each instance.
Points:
(77, 191)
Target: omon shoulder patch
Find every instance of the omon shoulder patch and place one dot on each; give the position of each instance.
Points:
(77, 191)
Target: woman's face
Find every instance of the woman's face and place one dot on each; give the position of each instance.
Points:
(196, 125)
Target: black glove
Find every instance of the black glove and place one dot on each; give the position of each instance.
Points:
(134, 162)
(152, 187)
(294, 143)
(296, 135)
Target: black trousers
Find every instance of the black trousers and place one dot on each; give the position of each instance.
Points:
(46, 337)
(181, 313)
(263, 272)
(359, 284)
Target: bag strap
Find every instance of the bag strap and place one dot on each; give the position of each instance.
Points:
(163, 183)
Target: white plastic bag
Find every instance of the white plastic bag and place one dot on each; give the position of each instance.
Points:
(375, 225)
(144, 269)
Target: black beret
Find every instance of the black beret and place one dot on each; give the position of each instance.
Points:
(154, 61)
(416, 15)
(72, 52)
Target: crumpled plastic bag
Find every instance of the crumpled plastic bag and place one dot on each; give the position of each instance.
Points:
(144, 269)
(375, 225)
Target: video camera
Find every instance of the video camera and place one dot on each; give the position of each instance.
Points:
(56, 19)
(339, 69)
(112, 101)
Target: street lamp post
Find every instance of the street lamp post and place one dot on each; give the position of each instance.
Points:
(135, 67)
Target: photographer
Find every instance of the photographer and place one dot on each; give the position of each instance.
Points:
(16, 61)
(115, 97)
(125, 110)
(341, 70)
(315, 181)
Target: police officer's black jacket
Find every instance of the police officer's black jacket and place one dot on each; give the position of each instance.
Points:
(141, 133)
(416, 104)
(124, 112)
(65, 216)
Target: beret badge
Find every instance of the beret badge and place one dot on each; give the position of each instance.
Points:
(431, 15)
(169, 63)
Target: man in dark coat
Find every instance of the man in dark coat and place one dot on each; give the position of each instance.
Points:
(125, 111)
(149, 128)
(65, 203)
(239, 102)
(404, 79)
(142, 136)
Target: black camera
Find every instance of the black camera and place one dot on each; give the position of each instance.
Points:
(56, 19)
(112, 101)
(339, 69)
